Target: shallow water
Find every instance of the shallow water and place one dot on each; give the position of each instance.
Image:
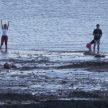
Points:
(38, 73)
(54, 25)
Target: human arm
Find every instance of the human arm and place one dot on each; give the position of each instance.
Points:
(1, 24)
(94, 32)
(100, 33)
(8, 24)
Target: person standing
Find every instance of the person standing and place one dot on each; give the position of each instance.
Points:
(4, 38)
(97, 33)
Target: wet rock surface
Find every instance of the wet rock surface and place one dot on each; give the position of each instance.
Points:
(60, 104)
(9, 66)
(40, 76)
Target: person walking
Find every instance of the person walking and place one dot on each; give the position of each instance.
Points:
(97, 33)
(4, 38)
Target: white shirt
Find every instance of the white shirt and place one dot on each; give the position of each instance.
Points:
(4, 31)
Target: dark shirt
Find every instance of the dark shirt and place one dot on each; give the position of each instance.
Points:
(97, 34)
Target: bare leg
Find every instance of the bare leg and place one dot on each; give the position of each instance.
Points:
(6, 40)
(98, 46)
(2, 41)
(1, 46)
(94, 47)
(6, 47)
(90, 50)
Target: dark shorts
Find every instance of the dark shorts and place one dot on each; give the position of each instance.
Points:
(97, 42)
(4, 39)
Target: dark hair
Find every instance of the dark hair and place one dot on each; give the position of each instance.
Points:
(5, 26)
(97, 25)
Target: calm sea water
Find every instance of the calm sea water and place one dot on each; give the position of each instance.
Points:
(54, 24)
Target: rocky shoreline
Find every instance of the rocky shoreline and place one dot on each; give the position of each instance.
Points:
(29, 78)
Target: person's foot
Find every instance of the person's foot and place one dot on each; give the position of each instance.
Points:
(97, 52)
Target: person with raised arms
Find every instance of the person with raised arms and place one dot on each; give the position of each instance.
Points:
(4, 38)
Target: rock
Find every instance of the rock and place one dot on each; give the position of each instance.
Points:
(7, 66)
(99, 55)
(13, 66)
